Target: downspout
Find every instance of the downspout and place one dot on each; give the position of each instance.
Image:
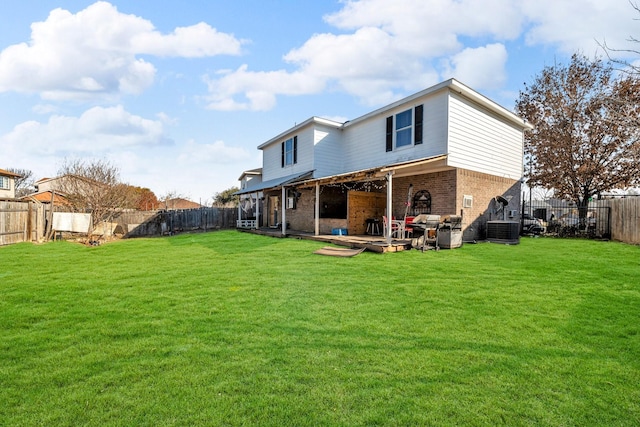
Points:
(284, 213)
(389, 206)
(317, 219)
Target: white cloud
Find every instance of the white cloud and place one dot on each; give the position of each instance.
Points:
(97, 130)
(389, 49)
(93, 53)
(198, 40)
(572, 28)
(215, 153)
(194, 170)
(383, 49)
(480, 68)
(258, 89)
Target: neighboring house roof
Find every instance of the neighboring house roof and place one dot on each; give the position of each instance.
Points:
(251, 172)
(9, 174)
(276, 182)
(180, 203)
(45, 197)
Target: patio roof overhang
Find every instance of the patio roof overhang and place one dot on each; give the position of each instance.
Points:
(275, 183)
(408, 168)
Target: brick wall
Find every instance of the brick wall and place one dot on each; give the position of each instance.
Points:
(447, 190)
(301, 218)
(483, 188)
(441, 186)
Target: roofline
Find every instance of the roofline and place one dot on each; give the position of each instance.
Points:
(451, 84)
(253, 172)
(274, 183)
(488, 103)
(456, 86)
(314, 119)
(376, 172)
(4, 172)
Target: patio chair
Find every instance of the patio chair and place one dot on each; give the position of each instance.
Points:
(397, 227)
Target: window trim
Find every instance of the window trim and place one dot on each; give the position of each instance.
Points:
(285, 152)
(403, 130)
(417, 136)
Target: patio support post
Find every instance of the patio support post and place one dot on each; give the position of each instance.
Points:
(389, 206)
(317, 219)
(239, 221)
(284, 215)
(257, 212)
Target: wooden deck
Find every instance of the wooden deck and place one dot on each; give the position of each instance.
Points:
(371, 243)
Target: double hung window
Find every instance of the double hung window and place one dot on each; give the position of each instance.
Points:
(290, 152)
(405, 128)
(4, 183)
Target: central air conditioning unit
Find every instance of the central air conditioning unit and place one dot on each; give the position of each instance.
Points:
(503, 231)
(507, 232)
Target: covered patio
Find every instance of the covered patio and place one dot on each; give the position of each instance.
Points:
(360, 206)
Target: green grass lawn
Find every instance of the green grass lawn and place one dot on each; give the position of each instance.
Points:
(230, 328)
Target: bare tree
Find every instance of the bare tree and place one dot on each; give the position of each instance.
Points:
(24, 182)
(613, 53)
(93, 186)
(625, 67)
(168, 199)
(586, 138)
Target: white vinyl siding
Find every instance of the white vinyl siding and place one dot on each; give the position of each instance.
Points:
(483, 142)
(329, 151)
(272, 156)
(474, 133)
(365, 141)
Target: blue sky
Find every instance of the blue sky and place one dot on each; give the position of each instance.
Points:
(178, 95)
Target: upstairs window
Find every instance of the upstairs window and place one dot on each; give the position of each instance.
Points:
(405, 128)
(290, 152)
(4, 183)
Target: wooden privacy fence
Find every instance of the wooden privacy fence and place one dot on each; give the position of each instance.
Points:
(625, 219)
(21, 221)
(138, 224)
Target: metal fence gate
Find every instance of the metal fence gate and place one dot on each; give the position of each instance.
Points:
(566, 219)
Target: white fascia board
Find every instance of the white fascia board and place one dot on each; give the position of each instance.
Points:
(456, 86)
(296, 128)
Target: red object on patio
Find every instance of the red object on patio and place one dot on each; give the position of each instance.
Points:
(407, 225)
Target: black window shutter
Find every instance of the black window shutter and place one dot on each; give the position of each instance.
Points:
(295, 149)
(282, 145)
(417, 136)
(390, 133)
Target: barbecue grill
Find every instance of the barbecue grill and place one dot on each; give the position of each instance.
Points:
(450, 232)
(434, 232)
